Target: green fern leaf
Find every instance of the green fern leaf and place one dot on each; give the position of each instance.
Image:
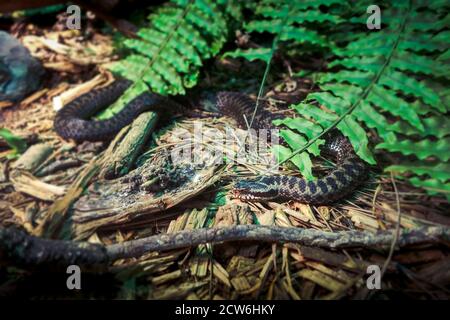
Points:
(410, 86)
(167, 54)
(439, 171)
(302, 161)
(262, 54)
(409, 61)
(297, 141)
(421, 149)
(432, 186)
(437, 126)
(378, 77)
(383, 98)
(392, 80)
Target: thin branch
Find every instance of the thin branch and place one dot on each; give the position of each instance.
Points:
(397, 228)
(22, 249)
(309, 237)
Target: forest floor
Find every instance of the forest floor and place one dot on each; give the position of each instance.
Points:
(31, 198)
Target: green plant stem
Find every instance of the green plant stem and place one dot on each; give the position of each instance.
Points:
(268, 63)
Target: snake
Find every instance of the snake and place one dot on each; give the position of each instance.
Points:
(73, 122)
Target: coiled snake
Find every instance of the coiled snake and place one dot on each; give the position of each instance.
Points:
(72, 122)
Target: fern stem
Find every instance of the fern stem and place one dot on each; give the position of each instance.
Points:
(180, 19)
(358, 101)
(266, 71)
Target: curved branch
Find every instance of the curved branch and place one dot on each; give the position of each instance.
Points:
(25, 250)
(309, 237)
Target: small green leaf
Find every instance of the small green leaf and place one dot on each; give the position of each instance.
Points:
(432, 186)
(439, 171)
(16, 143)
(421, 149)
(262, 54)
(301, 161)
(297, 141)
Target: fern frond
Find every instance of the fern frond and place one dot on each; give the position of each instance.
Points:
(301, 161)
(435, 125)
(439, 171)
(168, 54)
(394, 80)
(421, 149)
(262, 54)
(389, 66)
(384, 70)
(270, 18)
(432, 186)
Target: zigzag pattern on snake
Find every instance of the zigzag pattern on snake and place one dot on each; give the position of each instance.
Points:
(72, 122)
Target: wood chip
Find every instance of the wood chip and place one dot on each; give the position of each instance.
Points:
(321, 279)
(166, 277)
(27, 183)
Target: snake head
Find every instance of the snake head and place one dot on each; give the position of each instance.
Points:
(254, 190)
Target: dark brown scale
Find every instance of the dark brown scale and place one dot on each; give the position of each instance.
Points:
(241, 108)
(72, 123)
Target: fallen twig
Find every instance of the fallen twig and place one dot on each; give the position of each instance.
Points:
(309, 237)
(22, 249)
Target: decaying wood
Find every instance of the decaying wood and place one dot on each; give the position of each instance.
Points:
(25, 182)
(121, 202)
(33, 157)
(58, 165)
(23, 249)
(57, 214)
(127, 145)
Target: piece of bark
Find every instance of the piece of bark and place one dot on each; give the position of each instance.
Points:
(33, 157)
(25, 182)
(127, 145)
(117, 203)
(58, 165)
(57, 214)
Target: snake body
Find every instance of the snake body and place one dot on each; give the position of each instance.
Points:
(72, 122)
